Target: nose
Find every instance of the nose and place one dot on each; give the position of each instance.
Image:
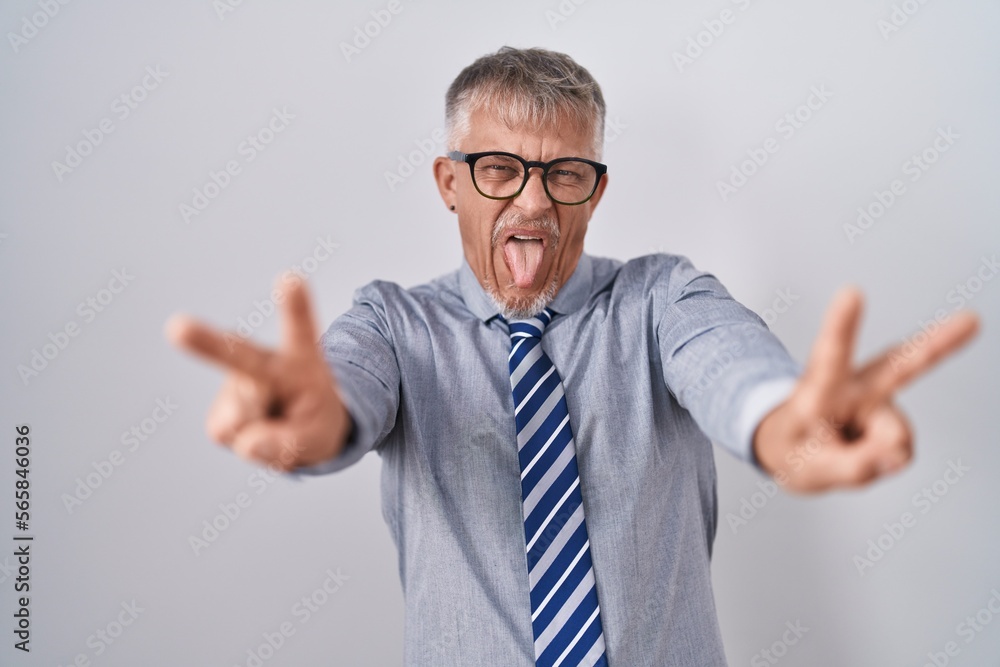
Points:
(533, 200)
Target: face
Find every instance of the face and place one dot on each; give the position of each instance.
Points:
(522, 249)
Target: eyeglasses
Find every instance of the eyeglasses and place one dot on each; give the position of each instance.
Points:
(498, 175)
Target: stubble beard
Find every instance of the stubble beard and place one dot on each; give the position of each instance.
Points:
(523, 307)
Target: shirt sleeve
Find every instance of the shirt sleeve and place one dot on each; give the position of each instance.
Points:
(720, 361)
(358, 348)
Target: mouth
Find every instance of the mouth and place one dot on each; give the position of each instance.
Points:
(523, 251)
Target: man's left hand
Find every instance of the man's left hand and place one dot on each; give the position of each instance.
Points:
(839, 428)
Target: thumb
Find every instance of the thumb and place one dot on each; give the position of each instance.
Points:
(268, 442)
(885, 446)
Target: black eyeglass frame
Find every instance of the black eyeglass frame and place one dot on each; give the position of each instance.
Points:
(471, 159)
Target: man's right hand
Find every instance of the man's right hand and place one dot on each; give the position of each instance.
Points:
(277, 407)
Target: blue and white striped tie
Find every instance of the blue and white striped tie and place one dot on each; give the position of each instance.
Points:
(565, 615)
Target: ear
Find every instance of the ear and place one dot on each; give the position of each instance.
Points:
(444, 174)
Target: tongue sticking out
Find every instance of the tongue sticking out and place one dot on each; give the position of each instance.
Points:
(524, 257)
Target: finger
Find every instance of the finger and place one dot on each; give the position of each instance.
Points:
(240, 401)
(267, 442)
(830, 361)
(297, 322)
(225, 349)
(888, 438)
(887, 373)
(884, 448)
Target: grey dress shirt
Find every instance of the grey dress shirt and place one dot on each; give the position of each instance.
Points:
(657, 361)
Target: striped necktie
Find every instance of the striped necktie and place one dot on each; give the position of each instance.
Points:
(565, 615)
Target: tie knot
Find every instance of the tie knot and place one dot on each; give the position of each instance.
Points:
(533, 327)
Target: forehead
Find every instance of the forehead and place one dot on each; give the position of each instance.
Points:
(566, 137)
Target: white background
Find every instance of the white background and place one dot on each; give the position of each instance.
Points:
(681, 131)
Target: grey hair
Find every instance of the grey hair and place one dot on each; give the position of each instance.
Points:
(535, 88)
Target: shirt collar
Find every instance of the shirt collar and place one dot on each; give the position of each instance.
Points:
(571, 296)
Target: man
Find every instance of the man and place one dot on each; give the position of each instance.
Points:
(544, 417)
